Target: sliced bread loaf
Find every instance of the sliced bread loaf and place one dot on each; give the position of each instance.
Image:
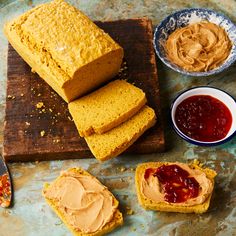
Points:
(107, 107)
(112, 143)
(65, 48)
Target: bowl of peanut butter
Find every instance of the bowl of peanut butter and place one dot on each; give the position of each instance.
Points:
(196, 42)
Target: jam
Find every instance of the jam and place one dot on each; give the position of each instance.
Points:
(203, 118)
(5, 191)
(177, 185)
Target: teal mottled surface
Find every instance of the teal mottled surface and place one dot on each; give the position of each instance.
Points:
(31, 216)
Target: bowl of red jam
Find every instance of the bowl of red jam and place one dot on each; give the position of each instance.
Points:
(204, 116)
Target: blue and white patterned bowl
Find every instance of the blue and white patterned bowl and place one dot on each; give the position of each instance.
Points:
(189, 16)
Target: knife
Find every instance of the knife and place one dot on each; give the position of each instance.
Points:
(5, 185)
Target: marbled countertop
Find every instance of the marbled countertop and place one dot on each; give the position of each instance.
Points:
(31, 215)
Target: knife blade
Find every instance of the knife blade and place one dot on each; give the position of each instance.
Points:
(5, 185)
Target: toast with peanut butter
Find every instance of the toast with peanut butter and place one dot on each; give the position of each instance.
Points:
(86, 206)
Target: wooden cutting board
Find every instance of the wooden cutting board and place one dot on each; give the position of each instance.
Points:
(48, 132)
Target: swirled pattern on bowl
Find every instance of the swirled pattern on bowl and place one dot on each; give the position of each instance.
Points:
(189, 16)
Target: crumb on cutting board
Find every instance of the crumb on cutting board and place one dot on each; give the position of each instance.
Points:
(56, 140)
(39, 105)
(42, 133)
(11, 97)
(69, 118)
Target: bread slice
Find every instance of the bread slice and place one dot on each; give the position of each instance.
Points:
(114, 142)
(107, 107)
(65, 48)
(162, 206)
(115, 222)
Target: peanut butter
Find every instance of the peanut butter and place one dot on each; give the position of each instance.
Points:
(152, 189)
(86, 204)
(198, 47)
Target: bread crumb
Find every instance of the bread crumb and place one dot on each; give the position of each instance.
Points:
(39, 94)
(11, 97)
(198, 163)
(56, 140)
(50, 109)
(122, 169)
(21, 94)
(27, 123)
(42, 133)
(39, 105)
(129, 211)
(69, 118)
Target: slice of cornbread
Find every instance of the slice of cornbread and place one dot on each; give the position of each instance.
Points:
(112, 143)
(65, 48)
(116, 221)
(170, 207)
(107, 107)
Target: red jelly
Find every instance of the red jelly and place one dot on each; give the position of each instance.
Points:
(5, 191)
(176, 183)
(203, 118)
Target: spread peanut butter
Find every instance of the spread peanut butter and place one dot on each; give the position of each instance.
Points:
(86, 204)
(198, 47)
(152, 189)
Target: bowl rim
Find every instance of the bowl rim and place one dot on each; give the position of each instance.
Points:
(187, 138)
(179, 69)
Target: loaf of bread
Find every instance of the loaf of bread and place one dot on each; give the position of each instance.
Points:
(149, 204)
(116, 220)
(107, 107)
(114, 142)
(65, 48)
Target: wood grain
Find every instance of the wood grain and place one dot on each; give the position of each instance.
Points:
(24, 121)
